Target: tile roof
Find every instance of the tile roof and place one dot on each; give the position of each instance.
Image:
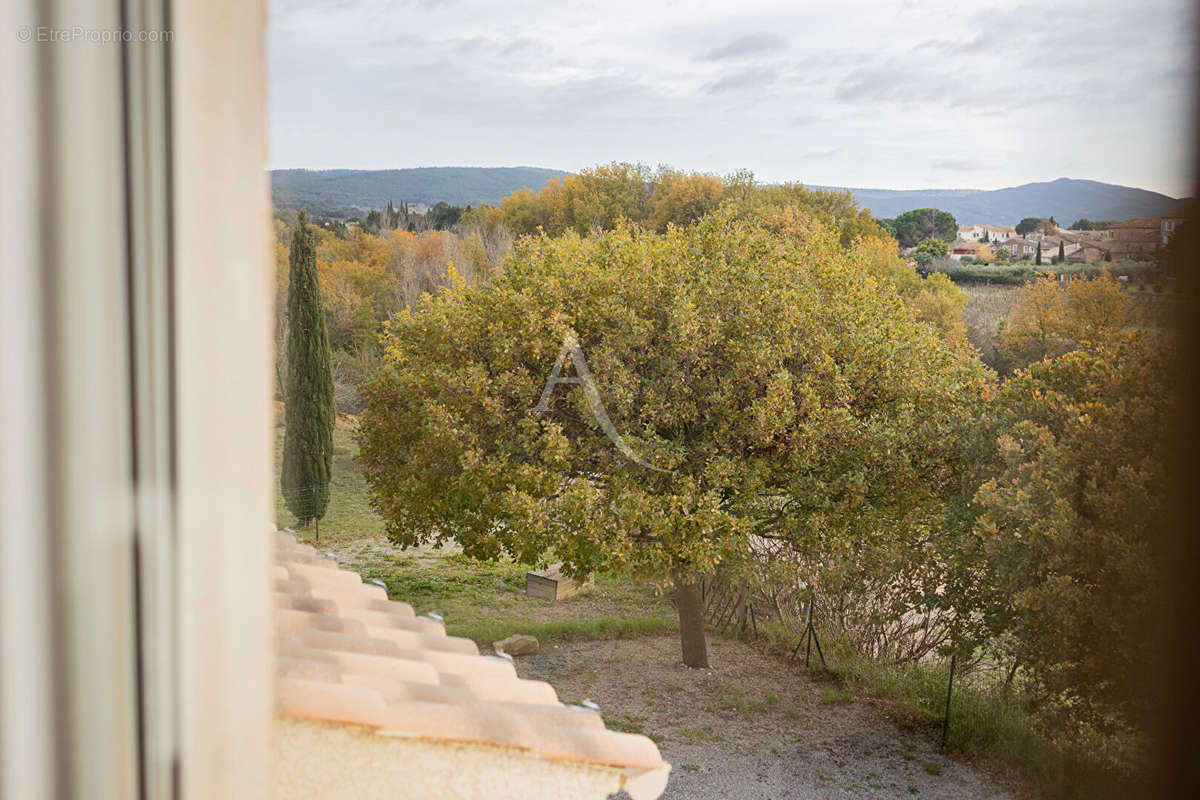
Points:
(1139, 222)
(347, 654)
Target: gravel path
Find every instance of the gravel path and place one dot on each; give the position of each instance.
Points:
(753, 726)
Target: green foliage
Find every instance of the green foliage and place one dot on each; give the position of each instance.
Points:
(786, 392)
(1028, 225)
(792, 208)
(933, 247)
(596, 198)
(1048, 320)
(1068, 512)
(1086, 224)
(919, 224)
(309, 415)
(444, 216)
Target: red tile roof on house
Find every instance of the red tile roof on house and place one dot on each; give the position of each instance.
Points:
(347, 654)
(1141, 222)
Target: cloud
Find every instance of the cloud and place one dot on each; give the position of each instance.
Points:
(755, 77)
(746, 46)
(907, 93)
(957, 165)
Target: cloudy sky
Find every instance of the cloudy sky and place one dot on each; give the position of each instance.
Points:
(879, 93)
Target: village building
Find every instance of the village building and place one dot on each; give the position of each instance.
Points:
(993, 233)
(1136, 239)
(1019, 248)
(977, 250)
(1050, 245)
(1088, 253)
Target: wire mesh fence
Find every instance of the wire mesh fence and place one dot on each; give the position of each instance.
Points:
(302, 508)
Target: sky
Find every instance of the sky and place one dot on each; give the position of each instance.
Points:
(894, 94)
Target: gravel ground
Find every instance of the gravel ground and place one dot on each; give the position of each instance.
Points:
(753, 726)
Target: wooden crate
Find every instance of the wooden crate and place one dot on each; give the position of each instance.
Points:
(550, 584)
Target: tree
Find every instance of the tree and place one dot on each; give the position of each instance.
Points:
(928, 250)
(444, 216)
(1046, 321)
(681, 199)
(309, 411)
(924, 223)
(1033, 329)
(777, 392)
(1068, 518)
(1038, 260)
(1097, 311)
(985, 237)
(1028, 225)
(1062, 253)
(940, 303)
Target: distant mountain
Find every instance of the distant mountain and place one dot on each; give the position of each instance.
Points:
(350, 192)
(1065, 199)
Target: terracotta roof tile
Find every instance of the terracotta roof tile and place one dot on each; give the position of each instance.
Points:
(348, 654)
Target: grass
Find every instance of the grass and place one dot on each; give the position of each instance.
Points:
(486, 631)
(835, 695)
(744, 705)
(632, 723)
(985, 719)
(349, 516)
(480, 600)
(698, 735)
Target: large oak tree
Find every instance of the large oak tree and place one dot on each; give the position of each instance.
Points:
(775, 388)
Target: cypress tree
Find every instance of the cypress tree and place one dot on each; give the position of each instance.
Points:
(1039, 254)
(1062, 253)
(309, 412)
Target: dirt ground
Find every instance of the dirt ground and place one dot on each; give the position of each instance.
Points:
(752, 726)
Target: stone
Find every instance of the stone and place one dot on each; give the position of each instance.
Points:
(518, 645)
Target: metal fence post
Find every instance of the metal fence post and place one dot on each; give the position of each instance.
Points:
(316, 519)
(949, 690)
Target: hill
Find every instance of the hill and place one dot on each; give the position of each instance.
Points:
(1066, 199)
(350, 192)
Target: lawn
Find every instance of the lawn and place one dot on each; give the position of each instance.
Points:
(484, 601)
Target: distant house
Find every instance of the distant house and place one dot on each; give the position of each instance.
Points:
(994, 233)
(1088, 236)
(1050, 245)
(1137, 239)
(1087, 253)
(1019, 248)
(977, 250)
(1167, 228)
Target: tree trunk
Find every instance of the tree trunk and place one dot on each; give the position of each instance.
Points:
(691, 621)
